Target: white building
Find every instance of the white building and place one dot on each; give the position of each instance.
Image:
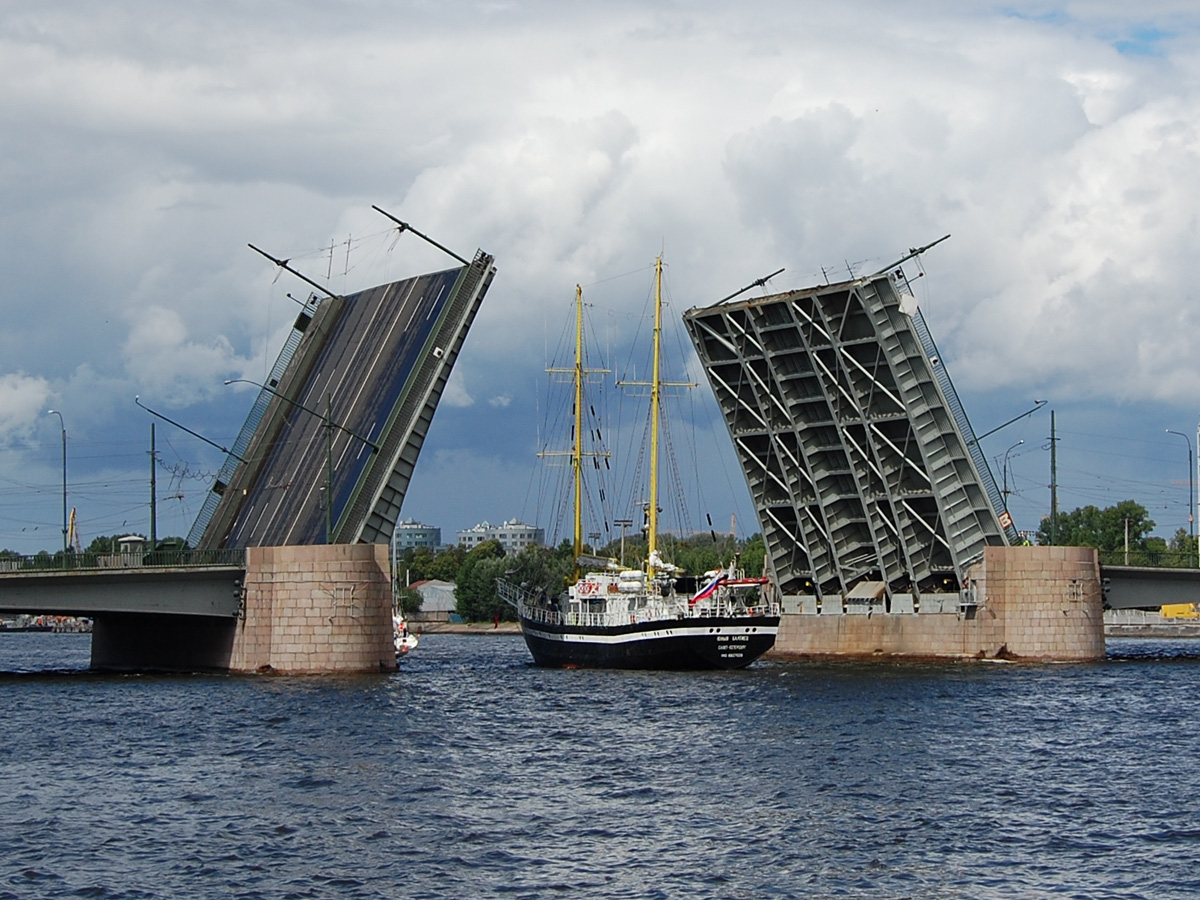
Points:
(413, 534)
(438, 602)
(514, 535)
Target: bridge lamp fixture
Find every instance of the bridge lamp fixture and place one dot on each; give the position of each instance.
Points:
(327, 418)
(63, 428)
(1006, 491)
(1191, 483)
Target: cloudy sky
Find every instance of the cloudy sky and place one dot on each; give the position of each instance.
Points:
(145, 146)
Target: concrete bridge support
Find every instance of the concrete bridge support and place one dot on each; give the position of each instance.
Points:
(314, 610)
(145, 641)
(1026, 603)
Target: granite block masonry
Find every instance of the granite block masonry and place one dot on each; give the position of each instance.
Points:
(1019, 603)
(316, 609)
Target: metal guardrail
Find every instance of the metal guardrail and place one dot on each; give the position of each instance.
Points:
(257, 411)
(964, 425)
(80, 562)
(1150, 559)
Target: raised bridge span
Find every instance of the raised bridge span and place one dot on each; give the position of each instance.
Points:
(880, 515)
(329, 447)
(323, 460)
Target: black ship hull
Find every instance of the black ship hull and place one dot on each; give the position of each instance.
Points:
(731, 642)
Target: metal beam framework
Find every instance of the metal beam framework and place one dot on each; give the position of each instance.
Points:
(866, 479)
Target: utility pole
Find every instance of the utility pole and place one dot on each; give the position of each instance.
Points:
(624, 523)
(153, 493)
(1054, 482)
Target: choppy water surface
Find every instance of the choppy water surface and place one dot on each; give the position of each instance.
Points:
(472, 774)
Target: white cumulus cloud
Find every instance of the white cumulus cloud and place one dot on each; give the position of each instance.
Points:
(23, 400)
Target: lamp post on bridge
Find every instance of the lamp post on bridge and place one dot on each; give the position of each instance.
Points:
(63, 427)
(624, 523)
(327, 418)
(1005, 467)
(1191, 483)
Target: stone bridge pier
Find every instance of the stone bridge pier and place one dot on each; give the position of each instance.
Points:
(315, 609)
(1019, 603)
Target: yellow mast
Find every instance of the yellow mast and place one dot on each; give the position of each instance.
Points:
(652, 519)
(656, 385)
(579, 375)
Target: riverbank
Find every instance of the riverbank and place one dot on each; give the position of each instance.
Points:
(465, 628)
(1148, 624)
(1190, 630)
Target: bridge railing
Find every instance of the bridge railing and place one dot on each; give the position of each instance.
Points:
(257, 411)
(1153, 559)
(942, 376)
(87, 561)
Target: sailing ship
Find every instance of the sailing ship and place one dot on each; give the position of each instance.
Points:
(616, 617)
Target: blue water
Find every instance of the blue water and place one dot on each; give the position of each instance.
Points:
(470, 773)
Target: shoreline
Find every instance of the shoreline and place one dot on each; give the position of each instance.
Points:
(1155, 630)
(484, 628)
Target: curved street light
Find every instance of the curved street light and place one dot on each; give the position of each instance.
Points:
(312, 412)
(1191, 484)
(63, 427)
(1006, 452)
(327, 418)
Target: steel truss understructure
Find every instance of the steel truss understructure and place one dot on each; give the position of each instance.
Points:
(870, 489)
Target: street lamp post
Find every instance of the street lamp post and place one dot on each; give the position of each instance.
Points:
(1005, 467)
(624, 523)
(327, 418)
(1191, 484)
(63, 427)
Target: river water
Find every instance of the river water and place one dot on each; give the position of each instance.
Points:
(471, 774)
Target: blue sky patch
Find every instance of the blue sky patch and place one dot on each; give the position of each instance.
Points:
(1145, 41)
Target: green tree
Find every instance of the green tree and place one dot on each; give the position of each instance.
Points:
(1103, 529)
(421, 563)
(475, 590)
(104, 543)
(492, 549)
(413, 564)
(754, 555)
(1182, 549)
(445, 565)
(540, 568)
(409, 600)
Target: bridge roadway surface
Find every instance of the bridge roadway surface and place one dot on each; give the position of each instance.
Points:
(364, 365)
(200, 590)
(216, 590)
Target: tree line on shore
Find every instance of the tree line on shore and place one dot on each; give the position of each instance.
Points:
(1119, 532)
(102, 545)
